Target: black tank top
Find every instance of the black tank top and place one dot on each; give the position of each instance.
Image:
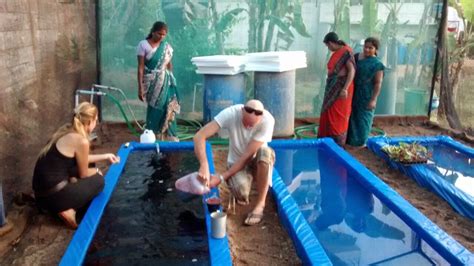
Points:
(53, 168)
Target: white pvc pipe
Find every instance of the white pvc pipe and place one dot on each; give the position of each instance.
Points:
(91, 93)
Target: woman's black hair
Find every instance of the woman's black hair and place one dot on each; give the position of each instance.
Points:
(157, 26)
(374, 41)
(332, 37)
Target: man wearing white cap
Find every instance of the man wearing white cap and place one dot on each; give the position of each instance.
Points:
(250, 128)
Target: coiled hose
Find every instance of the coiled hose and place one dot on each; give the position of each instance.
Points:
(187, 128)
(129, 125)
(311, 132)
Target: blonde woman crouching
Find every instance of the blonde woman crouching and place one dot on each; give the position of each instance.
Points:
(62, 179)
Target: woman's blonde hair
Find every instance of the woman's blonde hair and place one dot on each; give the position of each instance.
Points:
(84, 114)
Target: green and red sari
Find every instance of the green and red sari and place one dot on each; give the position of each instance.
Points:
(335, 112)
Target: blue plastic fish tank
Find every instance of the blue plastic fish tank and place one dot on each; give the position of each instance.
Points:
(338, 213)
(140, 218)
(449, 171)
(335, 211)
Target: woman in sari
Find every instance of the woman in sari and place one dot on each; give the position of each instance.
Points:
(156, 83)
(368, 82)
(336, 109)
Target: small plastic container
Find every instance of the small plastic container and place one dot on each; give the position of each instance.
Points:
(148, 136)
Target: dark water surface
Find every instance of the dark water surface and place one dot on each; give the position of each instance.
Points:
(148, 222)
(353, 226)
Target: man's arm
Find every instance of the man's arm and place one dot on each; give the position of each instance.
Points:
(200, 149)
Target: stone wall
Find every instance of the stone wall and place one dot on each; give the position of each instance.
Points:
(47, 50)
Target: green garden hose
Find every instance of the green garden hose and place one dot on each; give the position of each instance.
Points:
(313, 130)
(375, 131)
(187, 128)
(129, 125)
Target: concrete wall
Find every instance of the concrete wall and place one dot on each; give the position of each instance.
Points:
(47, 50)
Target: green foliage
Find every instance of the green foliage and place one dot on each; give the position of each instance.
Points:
(369, 18)
(468, 7)
(389, 33)
(413, 76)
(282, 25)
(228, 19)
(298, 23)
(457, 52)
(182, 12)
(342, 20)
(194, 39)
(123, 25)
(284, 15)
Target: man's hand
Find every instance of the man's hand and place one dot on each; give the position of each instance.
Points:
(204, 175)
(216, 180)
(200, 150)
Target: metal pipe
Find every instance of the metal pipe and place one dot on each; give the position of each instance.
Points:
(91, 92)
(76, 99)
(98, 93)
(92, 96)
(98, 33)
(3, 221)
(440, 36)
(103, 87)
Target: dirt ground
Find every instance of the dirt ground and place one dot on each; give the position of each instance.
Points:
(34, 238)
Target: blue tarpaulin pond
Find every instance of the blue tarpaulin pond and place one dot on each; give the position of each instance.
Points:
(449, 172)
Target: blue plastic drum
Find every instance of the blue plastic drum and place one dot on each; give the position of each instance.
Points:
(276, 90)
(221, 91)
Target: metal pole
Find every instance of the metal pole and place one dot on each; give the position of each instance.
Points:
(92, 95)
(98, 93)
(3, 221)
(441, 35)
(76, 99)
(98, 32)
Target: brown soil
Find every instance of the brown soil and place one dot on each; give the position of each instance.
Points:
(44, 238)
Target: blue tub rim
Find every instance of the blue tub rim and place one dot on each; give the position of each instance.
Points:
(451, 250)
(219, 252)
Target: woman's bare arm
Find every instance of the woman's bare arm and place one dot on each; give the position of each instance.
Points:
(140, 71)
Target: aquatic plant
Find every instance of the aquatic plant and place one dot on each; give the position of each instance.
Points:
(407, 152)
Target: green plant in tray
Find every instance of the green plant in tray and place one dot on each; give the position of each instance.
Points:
(407, 152)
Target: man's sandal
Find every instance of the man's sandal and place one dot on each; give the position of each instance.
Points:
(253, 218)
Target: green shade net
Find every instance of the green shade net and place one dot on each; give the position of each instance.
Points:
(407, 32)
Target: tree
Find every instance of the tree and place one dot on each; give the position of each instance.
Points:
(280, 17)
(468, 10)
(449, 79)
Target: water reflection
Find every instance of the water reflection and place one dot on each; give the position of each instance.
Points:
(455, 167)
(348, 220)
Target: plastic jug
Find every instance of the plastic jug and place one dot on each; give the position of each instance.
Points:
(148, 136)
